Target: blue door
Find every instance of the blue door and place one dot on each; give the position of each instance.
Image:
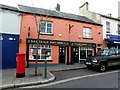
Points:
(10, 45)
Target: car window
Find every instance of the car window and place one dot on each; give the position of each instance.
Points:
(118, 51)
(102, 53)
(112, 52)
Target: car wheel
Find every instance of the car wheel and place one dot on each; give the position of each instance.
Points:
(102, 67)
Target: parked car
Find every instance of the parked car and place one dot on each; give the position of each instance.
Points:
(103, 59)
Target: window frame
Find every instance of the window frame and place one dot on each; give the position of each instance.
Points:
(86, 34)
(118, 28)
(46, 27)
(107, 27)
(40, 48)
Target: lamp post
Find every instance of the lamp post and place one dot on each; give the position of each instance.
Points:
(45, 65)
(27, 64)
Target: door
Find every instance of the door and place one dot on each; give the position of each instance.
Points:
(62, 54)
(75, 54)
(10, 44)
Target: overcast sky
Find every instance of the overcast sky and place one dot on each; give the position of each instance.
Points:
(70, 6)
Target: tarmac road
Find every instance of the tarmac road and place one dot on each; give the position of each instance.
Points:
(84, 78)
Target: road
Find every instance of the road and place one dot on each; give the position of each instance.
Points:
(83, 78)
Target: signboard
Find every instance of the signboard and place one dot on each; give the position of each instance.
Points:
(48, 42)
(56, 42)
(80, 44)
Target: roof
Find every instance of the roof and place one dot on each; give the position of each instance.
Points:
(51, 13)
(8, 7)
(110, 17)
(56, 14)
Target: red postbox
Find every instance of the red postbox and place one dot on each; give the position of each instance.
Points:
(20, 65)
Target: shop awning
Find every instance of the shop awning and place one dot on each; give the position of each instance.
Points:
(113, 38)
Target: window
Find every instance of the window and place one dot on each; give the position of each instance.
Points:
(85, 52)
(44, 52)
(46, 27)
(86, 32)
(118, 28)
(112, 52)
(107, 27)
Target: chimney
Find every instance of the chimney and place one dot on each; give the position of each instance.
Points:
(85, 5)
(58, 7)
(110, 15)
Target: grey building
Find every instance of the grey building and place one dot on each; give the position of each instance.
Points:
(111, 26)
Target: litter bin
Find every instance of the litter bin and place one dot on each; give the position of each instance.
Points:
(20, 65)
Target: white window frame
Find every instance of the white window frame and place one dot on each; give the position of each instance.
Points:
(84, 48)
(40, 51)
(107, 27)
(118, 28)
(46, 27)
(87, 32)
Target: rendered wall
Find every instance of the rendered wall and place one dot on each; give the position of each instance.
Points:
(9, 37)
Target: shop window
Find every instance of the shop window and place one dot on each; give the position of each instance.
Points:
(86, 32)
(85, 52)
(46, 27)
(89, 53)
(44, 52)
(107, 27)
(82, 54)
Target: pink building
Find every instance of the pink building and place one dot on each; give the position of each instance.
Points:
(64, 38)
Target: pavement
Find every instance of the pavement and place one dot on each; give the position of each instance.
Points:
(10, 81)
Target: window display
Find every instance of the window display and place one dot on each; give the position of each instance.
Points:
(85, 52)
(44, 52)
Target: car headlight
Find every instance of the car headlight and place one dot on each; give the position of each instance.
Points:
(95, 60)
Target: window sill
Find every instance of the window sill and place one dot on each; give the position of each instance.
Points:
(88, 38)
(50, 34)
(39, 60)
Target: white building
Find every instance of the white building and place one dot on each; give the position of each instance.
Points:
(111, 26)
(10, 20)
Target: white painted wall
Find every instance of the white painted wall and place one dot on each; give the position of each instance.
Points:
(100, 19)
(113, 26)
(9, 22)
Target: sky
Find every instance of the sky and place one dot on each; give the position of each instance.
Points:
(70, 6)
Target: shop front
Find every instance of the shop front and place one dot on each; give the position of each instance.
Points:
(80, 51)
(113, 41)
(51, 50)
(55, 51)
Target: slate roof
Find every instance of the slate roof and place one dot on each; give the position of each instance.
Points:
(56, 14)
(110, 17)
(51, 13)
(6, 7)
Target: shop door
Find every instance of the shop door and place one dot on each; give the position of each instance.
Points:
(62, 54)
(75, 54)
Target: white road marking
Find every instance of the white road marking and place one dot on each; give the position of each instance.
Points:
(67, 80)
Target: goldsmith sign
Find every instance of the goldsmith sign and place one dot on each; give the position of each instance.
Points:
(51, 42)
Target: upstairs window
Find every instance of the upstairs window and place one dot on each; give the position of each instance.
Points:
(118, 28)
(86, 32)
(107, 27)
(46, 27)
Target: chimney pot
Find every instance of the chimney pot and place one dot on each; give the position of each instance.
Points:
(58, 7)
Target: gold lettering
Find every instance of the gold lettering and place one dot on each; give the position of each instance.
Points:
(28, 41)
